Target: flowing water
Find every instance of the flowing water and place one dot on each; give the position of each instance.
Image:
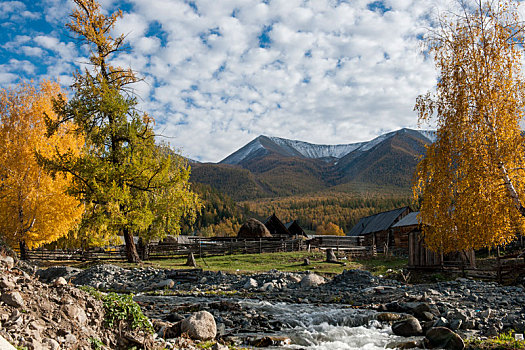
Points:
(326, 327)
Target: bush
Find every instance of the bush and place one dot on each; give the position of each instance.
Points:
(120, 308)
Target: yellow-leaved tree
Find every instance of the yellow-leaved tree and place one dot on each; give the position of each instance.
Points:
(34, 208)
(471, 181)
(329, 229)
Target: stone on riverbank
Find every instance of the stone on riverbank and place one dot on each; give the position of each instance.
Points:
(200, 326)
(250, 283)
(312, 280)
(407, 328)
(389, 317)
(444, 338)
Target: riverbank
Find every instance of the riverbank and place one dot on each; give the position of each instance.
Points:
(472, 309)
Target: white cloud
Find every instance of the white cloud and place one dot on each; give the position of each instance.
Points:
(327, 71)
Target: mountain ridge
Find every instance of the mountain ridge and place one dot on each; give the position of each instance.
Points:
(270, 167)
(262, 145)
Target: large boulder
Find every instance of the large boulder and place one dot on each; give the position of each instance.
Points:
(53, 272)
(13, 299)
(199, 326)
(253, 228)
(5, 345)
(407, 328)
(444, 338)
(312, 280)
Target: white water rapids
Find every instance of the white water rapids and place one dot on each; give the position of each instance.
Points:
(309, 326)
(327, 327)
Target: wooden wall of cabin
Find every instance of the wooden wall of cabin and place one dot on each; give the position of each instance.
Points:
(421, 257)
(400, 235)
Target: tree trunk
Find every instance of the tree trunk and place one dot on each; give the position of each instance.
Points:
(131, 249)
(23, 249)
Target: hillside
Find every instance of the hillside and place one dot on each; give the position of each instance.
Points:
(268, 167)
(315, 184)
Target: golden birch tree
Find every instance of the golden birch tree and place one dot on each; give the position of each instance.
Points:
(34, 208)
(471, 181)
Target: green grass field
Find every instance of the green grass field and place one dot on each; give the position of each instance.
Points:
(290, 261)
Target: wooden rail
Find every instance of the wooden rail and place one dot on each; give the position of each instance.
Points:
(199, 247)
(351, 245)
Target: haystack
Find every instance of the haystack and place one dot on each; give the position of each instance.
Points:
(253, 229)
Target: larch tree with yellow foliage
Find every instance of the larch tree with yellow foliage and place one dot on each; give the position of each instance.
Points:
(471, 182)
(329, 229)
(34, 206)
(131, 186)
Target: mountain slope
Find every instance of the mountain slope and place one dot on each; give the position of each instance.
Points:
(390, 162)
(276, 167)
(264, 145)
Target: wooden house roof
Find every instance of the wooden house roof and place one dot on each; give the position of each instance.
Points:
(294, 228)
(409, 220)
(378, 222)
(275, 226)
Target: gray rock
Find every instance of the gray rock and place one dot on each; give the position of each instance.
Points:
(219, 346)
(330, 255)
(312, 280)
(5, 345)
(51, 273)
(5, 283)
(200, 326)
(13, 299)
(60, 281)
(51, 344)
(169, 283)
(444, 338)
(7, 261)
(441, 322)
(455, 324)
(250, 284)
(75, 312)
(268, 286)
(407, 328)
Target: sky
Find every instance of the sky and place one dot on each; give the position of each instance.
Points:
(218, 73)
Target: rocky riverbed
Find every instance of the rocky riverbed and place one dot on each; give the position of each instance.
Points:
(354, 298)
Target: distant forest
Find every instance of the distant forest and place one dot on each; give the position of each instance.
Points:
(222, 216)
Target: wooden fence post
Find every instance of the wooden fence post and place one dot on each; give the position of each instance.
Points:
(260, 245)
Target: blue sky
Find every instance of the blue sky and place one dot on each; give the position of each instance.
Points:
(218, 73)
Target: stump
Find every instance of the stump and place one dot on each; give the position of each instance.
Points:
(306, 262)
(330, 255)
(191, 260)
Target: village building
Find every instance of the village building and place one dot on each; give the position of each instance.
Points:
(276, 227)
(400, 231)
(407, 235)
(376, 229)
(294, 229)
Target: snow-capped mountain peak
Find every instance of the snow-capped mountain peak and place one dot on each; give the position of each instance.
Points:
(294, 148)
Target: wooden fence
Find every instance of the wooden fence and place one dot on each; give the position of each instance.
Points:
(508, 269)
(199, 247)
(351, 245)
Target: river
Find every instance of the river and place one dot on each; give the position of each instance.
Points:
(308, 326)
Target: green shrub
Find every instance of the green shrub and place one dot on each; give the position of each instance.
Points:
(96, 344)
(121, 308)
